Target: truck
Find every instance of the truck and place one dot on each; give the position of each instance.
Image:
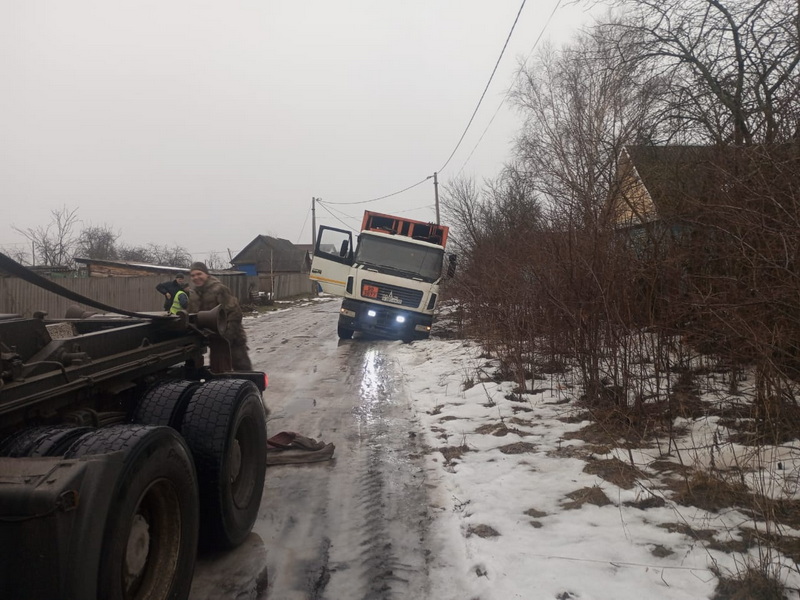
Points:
(121, 451)
(390, 281)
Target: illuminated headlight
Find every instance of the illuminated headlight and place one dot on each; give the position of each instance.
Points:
(400, 319)
(371, 313)
(348, 313)
(422, 328)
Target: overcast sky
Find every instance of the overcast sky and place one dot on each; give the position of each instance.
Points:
(205, 123)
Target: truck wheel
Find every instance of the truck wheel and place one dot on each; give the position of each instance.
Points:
(225, 428)
(42, 440)
(344, 333)
(19, 443)
(150, 535)
(164, 404)
(56, 440)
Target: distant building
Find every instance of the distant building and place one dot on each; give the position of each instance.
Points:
(275, 267)
(267, 255)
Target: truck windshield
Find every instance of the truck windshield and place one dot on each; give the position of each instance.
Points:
(398, 256)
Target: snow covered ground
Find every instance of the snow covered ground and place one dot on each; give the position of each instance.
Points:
(522, 510)
(524, 503)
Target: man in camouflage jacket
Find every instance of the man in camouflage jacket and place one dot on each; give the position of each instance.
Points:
(210, 291)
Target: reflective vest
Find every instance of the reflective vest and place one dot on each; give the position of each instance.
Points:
(176, 302)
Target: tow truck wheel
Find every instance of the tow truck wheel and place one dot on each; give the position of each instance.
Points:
(164, 403)
(225, 428)
(344, 333)
(150, 534)
(56, 440)
(19, 443)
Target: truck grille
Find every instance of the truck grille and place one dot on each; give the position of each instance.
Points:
(391, 294)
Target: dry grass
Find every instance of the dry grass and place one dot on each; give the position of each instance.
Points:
(614, 471)
(452, 453)
(752, 584)
(711, 493)
(588, 495)
(482, 531)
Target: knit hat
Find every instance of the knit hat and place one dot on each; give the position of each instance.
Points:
(199, 266)
(180, 275)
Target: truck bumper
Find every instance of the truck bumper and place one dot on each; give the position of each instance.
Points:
(384, 321)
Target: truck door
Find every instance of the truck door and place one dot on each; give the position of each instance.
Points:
(333, 257)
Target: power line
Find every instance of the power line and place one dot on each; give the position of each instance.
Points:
(466, 129)
(387, 195)
(488, 83)
(334, 216)
(508, 90)
(303, 228)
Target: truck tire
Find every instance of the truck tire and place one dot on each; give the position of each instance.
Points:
(42, 440)
(150, 534)
(225, 428)
(56, 440)
(344, 333)
(20, 442)
(164, 404)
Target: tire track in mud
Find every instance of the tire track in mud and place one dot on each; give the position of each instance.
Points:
(384, 557)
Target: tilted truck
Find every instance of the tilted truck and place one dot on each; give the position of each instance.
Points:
(390, 281)
(121, 451)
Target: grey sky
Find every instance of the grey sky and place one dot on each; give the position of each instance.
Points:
(206, 123)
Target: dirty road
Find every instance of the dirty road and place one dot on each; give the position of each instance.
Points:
(353, 527)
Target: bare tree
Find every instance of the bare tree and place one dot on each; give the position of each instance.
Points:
(174, 256)
(18, 253)
(462, 209)
(216, 261)
(732, 64)
(97, 241)
(54, 243)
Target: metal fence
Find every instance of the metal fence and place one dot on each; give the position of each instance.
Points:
(285, 285)
(129, 293)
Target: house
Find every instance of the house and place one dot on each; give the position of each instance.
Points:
(281, 267)
(666, 192)
(267, 255)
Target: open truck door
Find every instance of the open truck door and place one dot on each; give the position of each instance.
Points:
(333, 257)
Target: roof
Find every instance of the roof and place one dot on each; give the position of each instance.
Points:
(272, 253)
(148, 267)
(686, 178)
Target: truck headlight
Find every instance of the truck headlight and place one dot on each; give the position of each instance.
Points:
(400, 319)
(371, 313)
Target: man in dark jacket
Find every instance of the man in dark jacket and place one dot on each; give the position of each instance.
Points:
(170, 288)
(211, 292)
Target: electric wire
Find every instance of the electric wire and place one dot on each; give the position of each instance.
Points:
(488, 83)
(303, 228)
(387, 195)
(466, 129)
(334, 216)
(508, 90)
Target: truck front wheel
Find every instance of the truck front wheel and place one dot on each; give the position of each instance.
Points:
(344, 333)
(150, 534)
(225, 428)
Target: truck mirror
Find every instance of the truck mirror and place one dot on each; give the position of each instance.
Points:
(345, 247)
(451, 267)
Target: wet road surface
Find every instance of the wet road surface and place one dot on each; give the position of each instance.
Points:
(350, 528)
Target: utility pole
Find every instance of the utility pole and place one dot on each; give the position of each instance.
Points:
(314, 222)
(436, 194)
